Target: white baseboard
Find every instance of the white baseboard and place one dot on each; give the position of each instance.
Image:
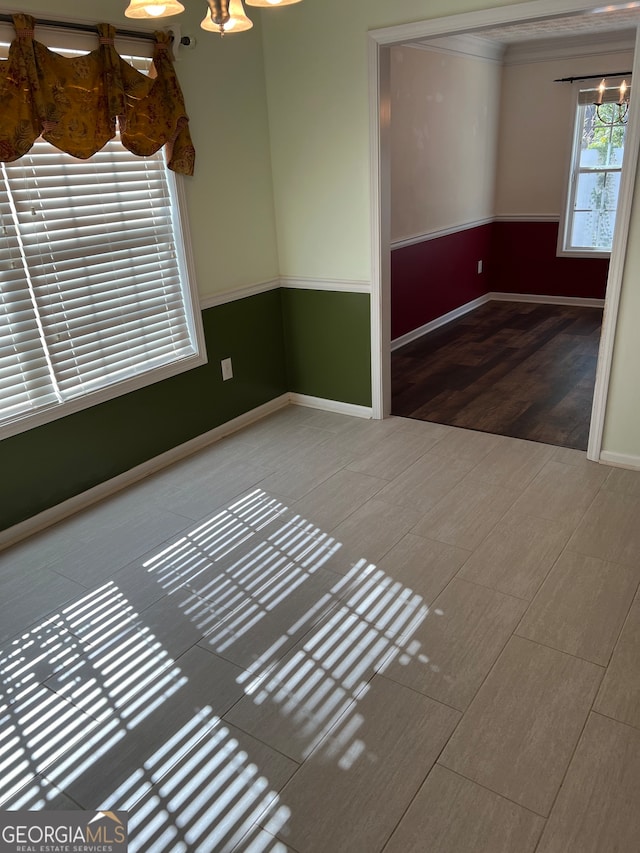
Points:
(492, 296)
(546, 300)
(620, 460)
(439, 321)
(63, 510)
(103, 490)
(331, 406)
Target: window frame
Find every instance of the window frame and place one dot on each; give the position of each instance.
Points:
(571, 181)
(186, 265)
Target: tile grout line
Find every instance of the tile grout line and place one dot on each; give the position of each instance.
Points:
(601, 666)
(614, 720)
(462, 714)
(604, 672)
(565, 549)
(570, 762)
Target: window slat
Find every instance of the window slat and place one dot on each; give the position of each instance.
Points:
(92, 287)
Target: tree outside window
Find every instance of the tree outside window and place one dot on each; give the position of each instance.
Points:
(595, 178)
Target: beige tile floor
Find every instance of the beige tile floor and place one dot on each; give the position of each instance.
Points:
(328, 634)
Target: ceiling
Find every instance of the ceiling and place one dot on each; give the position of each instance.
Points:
(610, 28)
(615, 25)
(574, 25)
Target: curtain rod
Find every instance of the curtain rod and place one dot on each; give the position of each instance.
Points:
(84, 28)
(594, 76)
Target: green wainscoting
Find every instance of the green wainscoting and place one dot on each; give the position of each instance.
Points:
(328, 344)
(309, 342)
(54, 462)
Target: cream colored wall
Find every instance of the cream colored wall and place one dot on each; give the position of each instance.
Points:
(531, 180)
(536, 132)
(622, 425)
(317, 89)
(444, 122)
(230, 197)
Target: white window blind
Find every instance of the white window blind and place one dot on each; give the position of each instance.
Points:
(93, 278)
(24, 371)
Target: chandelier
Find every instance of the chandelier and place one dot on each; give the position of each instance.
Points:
(622, 103)
(223, 16)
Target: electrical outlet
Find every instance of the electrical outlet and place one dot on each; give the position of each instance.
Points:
(227, 369)
(479, 267)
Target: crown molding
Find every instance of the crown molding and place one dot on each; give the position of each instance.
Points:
(514, 13)
(467, 46)
(539, 50)
(588, 44)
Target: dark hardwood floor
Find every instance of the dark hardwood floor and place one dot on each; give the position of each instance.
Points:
(510, 368)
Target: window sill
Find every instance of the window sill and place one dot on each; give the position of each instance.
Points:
(582, 253)
(52, 413)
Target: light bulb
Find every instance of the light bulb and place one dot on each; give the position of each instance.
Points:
(270, 3)
(149, 9)
(623, 91)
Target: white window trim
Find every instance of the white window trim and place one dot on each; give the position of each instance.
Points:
(48, 414)
(570, 177)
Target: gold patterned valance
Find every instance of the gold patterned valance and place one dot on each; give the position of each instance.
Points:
(73, 102)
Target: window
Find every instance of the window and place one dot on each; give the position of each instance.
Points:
(95, 293)
(594, 180)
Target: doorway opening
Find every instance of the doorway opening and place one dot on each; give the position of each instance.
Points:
(500, 239)
(521, 369)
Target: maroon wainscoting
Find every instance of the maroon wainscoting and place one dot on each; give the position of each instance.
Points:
(524, 260)
(431, 278)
